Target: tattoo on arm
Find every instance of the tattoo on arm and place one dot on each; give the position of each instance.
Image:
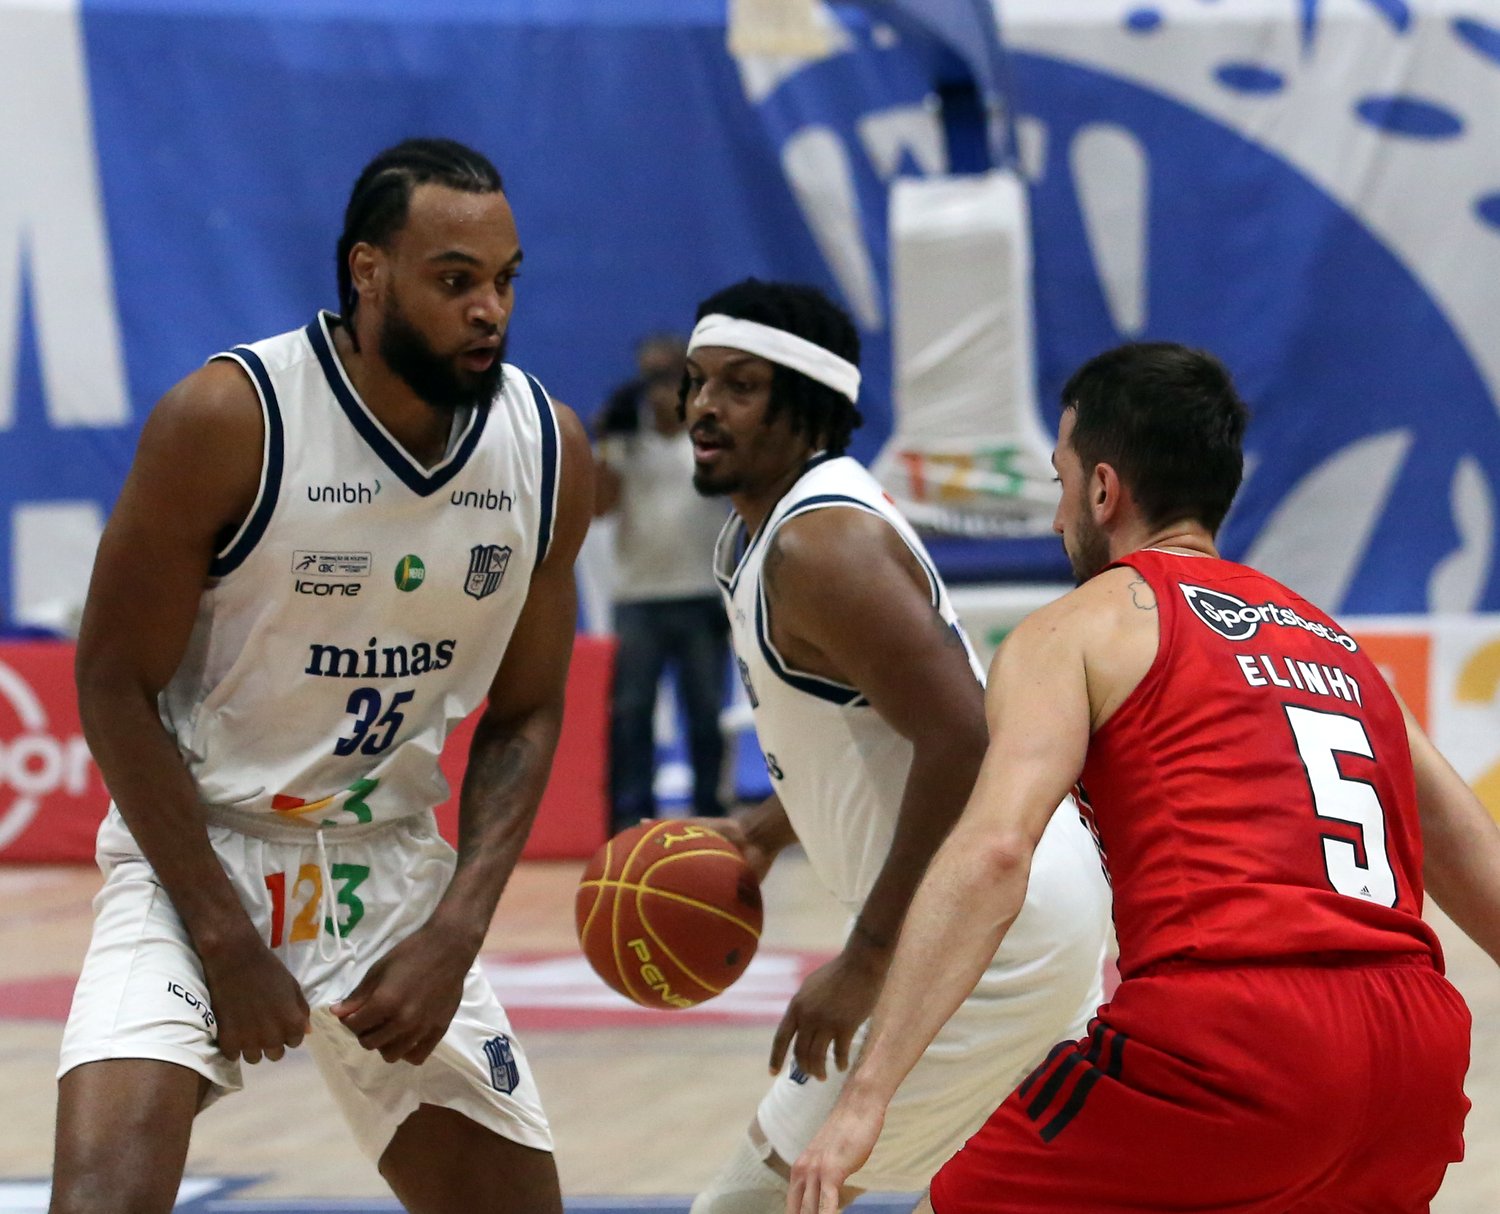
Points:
(771, 565)
(1142, 595)
(873, 939)
(498, 782)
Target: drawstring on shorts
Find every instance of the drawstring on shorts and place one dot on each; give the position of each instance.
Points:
(330, 908)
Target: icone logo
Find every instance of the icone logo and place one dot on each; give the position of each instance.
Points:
(1236, 620)
(34, 762)
(194, 1001)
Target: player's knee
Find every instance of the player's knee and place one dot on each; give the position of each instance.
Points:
(746, 1184)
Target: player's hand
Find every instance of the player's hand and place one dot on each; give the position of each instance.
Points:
(406, 1001)
(834, 1001)
(732, 829)
(257, 1003)
(837, 1151)
(758, 858)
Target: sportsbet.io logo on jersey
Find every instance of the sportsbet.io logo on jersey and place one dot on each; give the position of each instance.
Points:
(1236, 620)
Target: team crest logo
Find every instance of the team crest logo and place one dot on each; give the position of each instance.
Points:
(487, 564)
(505, 1073)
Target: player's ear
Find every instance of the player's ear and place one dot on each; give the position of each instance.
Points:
(1105, 492)
(367, 268)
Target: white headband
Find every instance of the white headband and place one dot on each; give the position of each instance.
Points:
(779, 346)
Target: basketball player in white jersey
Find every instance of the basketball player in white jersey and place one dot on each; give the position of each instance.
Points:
(333, 546)
(869, 706)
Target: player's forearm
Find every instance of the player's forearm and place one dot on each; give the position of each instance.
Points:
(159, 803)
(937, 786)
(1460, 845)
(503, 784)
(971, 894)
(1461, 868)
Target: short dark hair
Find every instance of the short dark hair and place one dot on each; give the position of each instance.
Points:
(1168, 419)
(381, 197)
(816, 410)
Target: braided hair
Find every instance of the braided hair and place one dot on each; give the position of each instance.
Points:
(815, 409)
(381, 197)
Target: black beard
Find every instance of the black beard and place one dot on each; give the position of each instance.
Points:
(703, 478)
(435, 379)
(1092, 556)
(707, 487)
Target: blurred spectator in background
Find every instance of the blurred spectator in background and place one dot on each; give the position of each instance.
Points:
(667, 611)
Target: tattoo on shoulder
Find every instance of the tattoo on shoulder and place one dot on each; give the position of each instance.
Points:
(1142, 595)
(771, 565)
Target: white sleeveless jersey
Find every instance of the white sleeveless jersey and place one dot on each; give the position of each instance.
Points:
(363, 607)
(838, 768)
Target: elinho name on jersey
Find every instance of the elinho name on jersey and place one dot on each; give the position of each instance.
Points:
(1265, 670)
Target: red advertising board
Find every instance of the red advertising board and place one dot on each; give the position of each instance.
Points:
(52, 796)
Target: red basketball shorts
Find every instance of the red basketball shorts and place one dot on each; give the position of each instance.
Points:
(1266, 1090)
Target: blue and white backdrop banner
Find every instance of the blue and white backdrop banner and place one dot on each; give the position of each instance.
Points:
(1309, 188)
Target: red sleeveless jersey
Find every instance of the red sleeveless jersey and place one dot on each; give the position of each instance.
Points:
(1253, 796)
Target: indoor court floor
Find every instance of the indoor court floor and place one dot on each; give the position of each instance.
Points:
(643, 1104)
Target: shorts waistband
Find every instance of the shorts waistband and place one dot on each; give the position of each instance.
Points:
(274, 830)
(1301, 961)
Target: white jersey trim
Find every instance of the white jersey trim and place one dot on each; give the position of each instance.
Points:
(551, 465)
(813, 684)
(272, 453)
(417, 477)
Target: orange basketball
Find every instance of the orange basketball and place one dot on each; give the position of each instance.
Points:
(668, 913)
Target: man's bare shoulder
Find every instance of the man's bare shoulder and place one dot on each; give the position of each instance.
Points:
(1102, 593)
(576, 507)
(832, 547)
(1107, 627)
(574, 433)
(197, 467)
(216, 406)
(1119, 593)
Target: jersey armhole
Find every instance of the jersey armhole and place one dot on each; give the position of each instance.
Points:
(824, 501)
(272, 455)
(818, 685)
(551, 466)
(1166, 625)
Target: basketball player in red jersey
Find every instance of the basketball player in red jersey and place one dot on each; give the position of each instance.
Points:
(1282, 1039)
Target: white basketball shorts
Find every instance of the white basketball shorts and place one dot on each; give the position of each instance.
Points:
(142, 992)
(1042, 988)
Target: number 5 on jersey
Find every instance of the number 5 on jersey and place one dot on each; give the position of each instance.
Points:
(1320, 737)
